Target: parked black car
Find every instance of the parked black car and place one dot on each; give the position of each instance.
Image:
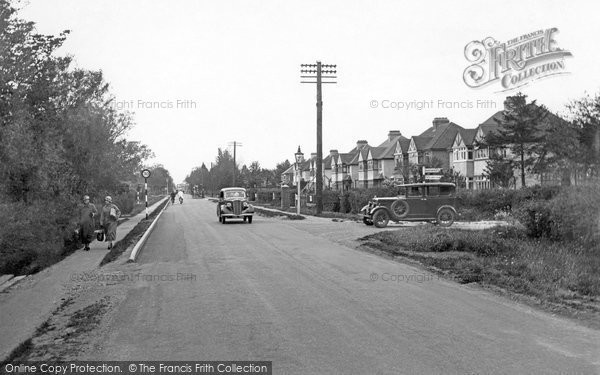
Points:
(414, 202)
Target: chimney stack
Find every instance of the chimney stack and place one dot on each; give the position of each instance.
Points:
(393, 134)
(439, 121)
(360, 144)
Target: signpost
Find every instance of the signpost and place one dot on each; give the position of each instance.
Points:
(146, 173)
(434, 174)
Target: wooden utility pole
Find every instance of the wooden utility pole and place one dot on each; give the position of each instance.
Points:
(235, 145)
(318, 70)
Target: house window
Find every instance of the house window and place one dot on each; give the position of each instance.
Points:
(360, 166)
(375, 165)
(470, 153)
(344, 169)
(370, 165)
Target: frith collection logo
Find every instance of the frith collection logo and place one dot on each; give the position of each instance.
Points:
(514, 63)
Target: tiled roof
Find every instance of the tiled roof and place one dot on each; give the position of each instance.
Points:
(421, 141)
(347, 158)
(378, 152)
(405, 144)
(390, 146)
(327, 162)
(468, 136)
(442, 138)
(494, 122)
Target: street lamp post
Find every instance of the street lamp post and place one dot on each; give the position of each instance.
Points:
(299, 157)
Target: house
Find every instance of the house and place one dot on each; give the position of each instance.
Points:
(461, 160)
(341, 173)
(433, 147)
(375, 164)
(467, 152)
(401, 163)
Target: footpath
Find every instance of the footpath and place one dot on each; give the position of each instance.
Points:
(28, 303)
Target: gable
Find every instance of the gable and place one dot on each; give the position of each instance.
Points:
(413, 146)
(458, 141)
(398, 150)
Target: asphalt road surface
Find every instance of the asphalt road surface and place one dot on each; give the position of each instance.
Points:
(290, 292)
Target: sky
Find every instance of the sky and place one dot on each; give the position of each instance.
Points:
(199, 75)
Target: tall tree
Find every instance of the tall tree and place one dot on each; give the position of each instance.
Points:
(520, 131)
(585, 114)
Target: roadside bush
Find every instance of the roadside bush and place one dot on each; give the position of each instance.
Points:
(34, 236)
(331, 200)
(576, 214)
(499, 204)
(125, 201)
(572, 215)
(536, 216)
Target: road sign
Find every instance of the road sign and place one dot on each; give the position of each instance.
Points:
(431, 170)
(146, 173)
(433, 176)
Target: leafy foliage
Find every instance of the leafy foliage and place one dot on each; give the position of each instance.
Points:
(520, 131)
(60, 138)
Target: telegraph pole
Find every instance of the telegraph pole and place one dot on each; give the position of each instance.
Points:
(318, 70)
(235, 145)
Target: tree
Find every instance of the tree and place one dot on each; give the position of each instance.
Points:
(585, 114)
(499, 169)
(520, 130)
(159, 179)
(59, 135)
(280, 168)
(560, 149)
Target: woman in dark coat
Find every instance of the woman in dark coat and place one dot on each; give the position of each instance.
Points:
(109, 218)
(87, 212)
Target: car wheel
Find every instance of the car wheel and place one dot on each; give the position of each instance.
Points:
(445, 217)
(223, 220)
(400, 208)
(249, 219)
(381, 218)
(367, 221)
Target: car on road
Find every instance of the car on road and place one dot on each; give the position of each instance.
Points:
(233, 204)
(415, 202)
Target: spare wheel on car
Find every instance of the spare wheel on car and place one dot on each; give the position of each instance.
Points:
(400, 208)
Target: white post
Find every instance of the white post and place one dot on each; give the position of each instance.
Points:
(146, 194)
(298, 183)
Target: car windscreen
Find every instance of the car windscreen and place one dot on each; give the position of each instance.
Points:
(235, 194)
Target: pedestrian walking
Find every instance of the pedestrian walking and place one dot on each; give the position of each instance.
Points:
(87, 212)
(108, 218)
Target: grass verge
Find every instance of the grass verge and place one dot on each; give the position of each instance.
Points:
(132, 237)
(268, 213)
(564, 277)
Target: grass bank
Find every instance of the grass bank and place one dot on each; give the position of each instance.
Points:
(560, 275)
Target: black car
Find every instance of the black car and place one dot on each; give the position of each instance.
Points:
(233, 204)
(414, 202)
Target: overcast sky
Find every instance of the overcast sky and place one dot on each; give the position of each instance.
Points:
(235, 65)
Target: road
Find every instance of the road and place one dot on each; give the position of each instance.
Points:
(291, 292)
